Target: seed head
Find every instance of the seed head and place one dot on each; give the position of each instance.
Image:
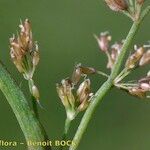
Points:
(138, 92)
(80, 71)
(113, 54)
(23, 51)
(117, 5)
(74, 98)
(145, 58)
(103, 41)
(134, 58)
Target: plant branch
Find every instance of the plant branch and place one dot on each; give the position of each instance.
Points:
(108, 84)
(34, 101)
(66, 129)
(31, 127)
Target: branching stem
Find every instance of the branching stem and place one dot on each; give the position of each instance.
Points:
(31, 127)
(104, 89)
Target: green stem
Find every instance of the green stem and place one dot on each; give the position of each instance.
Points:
(34, 101)
(66, 129)
(108, 84)
(29, 124)
(34, 106)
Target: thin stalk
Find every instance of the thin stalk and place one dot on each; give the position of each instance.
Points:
(66, 129)
(104, 89)
(27, 120)
(35, 107)
(102, 73)
(34, 101)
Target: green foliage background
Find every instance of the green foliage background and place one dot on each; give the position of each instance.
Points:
(64, 30)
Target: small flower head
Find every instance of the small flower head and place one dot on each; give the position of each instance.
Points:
(75, 99)
(80, 71)
(117, 5)
(75, 95)
(133, 60)
(145, 58)
(138, 92)
(103, 41)
(114, 53)
(23, 51)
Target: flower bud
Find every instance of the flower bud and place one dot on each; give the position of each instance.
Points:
(134, 58)
(62, 95)
(84, 94)
(115, 50)
(76, 76)
(145, 58)
(67, 88)
(35, 92)
(81, 71)
(137, 92)
(83, 90)
(117, 5)
(103, 41)
(87, 70)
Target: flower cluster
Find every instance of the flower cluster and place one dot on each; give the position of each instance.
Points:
(75, 94)
(132, 8)
(111, 51)
(139, 58)
(25, 55)
(142, 88)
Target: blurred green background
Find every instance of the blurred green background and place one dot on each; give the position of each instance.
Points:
(64, 30)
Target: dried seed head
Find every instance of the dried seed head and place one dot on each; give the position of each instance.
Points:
(74, 101)
(137, 92)
(80, 71)
(87, 70)
(145, 58)
(64, 91)
(115, 50)
(76, 76)
(103, 41)
(134, 58)
(117, 5)
(84, 90)
(23, 52)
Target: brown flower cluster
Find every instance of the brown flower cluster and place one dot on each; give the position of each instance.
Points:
(142, 88)
(139, 58)
(25, 55)
(23, 51)
(74, 93)
(132, 8)
(111, 51)
(117, 5)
